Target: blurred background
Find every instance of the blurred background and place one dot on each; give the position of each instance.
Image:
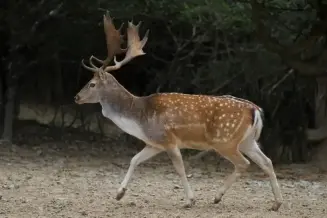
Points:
(273, 53)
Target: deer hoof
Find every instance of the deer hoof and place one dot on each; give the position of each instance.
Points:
(120, 194)
(276, 206)
(190, 203)
(216, 200)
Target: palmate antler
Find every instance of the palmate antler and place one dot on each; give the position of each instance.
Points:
(134, 46)
(114, 40)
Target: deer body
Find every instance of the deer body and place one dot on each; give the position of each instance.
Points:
(169, 119)
(173, 121)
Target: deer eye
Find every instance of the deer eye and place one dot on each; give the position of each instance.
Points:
(92, 85)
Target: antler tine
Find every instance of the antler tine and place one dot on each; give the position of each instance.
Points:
(121, 27)
(91, 63)
(134, 45)
(145, 38)
(97, 59)
(94, 69)
(138, 25)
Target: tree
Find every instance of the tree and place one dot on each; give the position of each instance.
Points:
(18, 51)
(304, 49)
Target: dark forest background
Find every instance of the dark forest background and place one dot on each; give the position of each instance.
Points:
(273, 53)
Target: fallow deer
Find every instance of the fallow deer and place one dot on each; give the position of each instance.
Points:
(173, 121)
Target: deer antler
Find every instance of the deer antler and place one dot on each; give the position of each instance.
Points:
(134, 46)
(113, 40)
(93, 68)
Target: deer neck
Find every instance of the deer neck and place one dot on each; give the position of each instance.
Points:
(120, 103)
(125, 110)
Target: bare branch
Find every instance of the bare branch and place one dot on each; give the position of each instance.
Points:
(280, 81)
(290, 54)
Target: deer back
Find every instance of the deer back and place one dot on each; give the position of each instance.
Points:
(196, 119)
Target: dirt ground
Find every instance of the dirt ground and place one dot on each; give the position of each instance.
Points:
(48, 174)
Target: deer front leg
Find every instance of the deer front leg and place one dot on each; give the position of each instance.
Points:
(176, 158)
(140, 157)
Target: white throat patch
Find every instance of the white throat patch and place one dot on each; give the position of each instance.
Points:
(127, 125)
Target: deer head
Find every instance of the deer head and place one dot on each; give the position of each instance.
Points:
(102, 79)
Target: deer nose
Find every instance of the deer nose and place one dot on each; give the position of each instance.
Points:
(76, 98)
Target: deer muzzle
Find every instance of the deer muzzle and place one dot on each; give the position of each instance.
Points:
(77, 99)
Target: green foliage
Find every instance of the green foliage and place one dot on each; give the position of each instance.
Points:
(289, 20)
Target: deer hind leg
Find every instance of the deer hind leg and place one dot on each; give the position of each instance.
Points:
(240, 166)
(251, 149)
(176, 158)
(140, 157)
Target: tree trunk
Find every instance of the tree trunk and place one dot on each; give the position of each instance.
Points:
(320, 133)
(2, 104)
(9, 113)
(58, 79)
